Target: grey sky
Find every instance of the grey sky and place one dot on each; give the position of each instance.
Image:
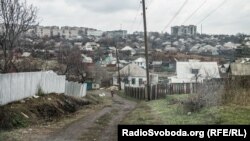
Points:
(231, 18)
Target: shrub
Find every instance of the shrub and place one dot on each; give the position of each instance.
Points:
(40, 92)
(208, 94)
(236, 92)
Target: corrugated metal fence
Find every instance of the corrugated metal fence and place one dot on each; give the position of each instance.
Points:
(75, 89)
(17, 86)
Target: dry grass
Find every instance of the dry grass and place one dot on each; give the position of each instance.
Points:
(172, 111)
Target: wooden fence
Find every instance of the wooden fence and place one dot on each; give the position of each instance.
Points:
(160, 91)
(141, 92)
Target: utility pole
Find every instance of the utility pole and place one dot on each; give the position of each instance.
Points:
(118, 69)
(146, 45)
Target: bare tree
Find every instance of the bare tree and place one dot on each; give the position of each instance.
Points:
(16, 18)
(75, 68)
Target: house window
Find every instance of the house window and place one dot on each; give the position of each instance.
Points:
(126, 80)
(140, 81)
(195, 71)
(133, 81)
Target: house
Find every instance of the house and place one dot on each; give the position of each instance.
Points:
(134, 76)
(112, 49)
(208, 50)
(141, 62)
(230, 45)
(157, 63)
(194, 71)
(123, 63)
(90, 46)
(86, 59)
(77, 44)
(108, 60)
(239, 74)
(26, 54)
(239, 69)
(128, 48)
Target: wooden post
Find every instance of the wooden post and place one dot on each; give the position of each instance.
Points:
(156, 91)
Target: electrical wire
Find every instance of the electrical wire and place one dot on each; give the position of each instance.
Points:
(176, 14)
(149, 4)
(136, 17)
(209, 14)
(195, 11)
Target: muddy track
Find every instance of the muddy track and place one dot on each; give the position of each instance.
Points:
(80, 129)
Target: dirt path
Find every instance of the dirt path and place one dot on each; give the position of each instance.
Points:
(101, 125)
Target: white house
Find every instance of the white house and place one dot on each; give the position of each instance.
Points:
(122, 63)
(134, 76)
(141, 62)
(86, 59)
(155, 63)
(208, 48)
(26, 54)
(128, 48)
(108, 60)
(230, 45)
(171, 49)
(195, 71)
(90, 46)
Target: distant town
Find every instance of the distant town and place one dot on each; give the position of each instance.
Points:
(74, 83)
(49, 48)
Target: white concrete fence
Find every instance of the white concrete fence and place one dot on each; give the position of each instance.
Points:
(17, 86)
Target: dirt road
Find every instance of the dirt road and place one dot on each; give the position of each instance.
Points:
(98, 126)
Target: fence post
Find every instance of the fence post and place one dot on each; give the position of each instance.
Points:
(156, 91)
(150, 90)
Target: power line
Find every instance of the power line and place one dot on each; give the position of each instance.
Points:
(149, 4)
(139, 24)
(209, 14)
(138, 12)
(196, 10)
(176, 14)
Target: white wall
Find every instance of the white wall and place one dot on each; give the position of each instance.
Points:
(75, 89)
(140, 64)
(136, 84)
(17, 86)
(95, 86)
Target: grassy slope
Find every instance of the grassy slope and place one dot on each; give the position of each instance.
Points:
(170, 111)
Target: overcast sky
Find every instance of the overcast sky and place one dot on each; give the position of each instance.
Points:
(231, 16)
